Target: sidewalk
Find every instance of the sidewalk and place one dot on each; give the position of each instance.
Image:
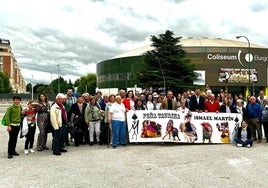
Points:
(136, 165)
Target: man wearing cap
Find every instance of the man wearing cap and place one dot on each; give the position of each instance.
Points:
(58, 118)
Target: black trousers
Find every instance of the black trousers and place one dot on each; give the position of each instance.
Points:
(13, 137)
(265, 128)
(30, 137)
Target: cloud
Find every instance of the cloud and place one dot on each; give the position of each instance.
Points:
(78, 34)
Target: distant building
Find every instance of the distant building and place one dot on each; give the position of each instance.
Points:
(220, 63)
(9, 66)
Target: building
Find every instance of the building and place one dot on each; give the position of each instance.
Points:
(220, 63)
(9, 66)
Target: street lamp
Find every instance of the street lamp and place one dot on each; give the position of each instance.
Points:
(32, 88)
(163, 75)
(58, 78)
(248, 59)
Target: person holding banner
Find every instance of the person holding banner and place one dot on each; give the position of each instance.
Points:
(197, 102)
(212, 105)
(226, 106)
(117, 116)
(169, 103)
(183, 107)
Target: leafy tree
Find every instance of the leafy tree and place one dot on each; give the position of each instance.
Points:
(5, 86)
(29, 87)
(166, 65)
(44, 89)
(60, 84)
(87, 84)
(76, 83)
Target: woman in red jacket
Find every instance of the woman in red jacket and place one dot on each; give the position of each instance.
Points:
(129, 101)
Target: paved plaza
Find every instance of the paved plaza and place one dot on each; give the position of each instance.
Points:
(136, 165)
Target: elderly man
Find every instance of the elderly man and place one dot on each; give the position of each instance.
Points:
(58, 118)
(169, 103)
(254, 112)
(197, 102)
(212, 105)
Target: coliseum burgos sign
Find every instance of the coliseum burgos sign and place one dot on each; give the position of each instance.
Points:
(248, 57)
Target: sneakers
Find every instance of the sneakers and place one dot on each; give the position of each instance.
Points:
(26, 152)
(239, 145)
(248, 146)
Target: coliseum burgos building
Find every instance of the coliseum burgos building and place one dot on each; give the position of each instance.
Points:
(220, 63)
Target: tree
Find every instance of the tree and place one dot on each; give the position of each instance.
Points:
(44, 89)
(5, 86)
(87, 84)
(166, 65)
(60, 84)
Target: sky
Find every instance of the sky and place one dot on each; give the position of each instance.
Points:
(69, 37)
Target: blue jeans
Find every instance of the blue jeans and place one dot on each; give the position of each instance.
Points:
(239, 141)
(58, 139)
(119, 132)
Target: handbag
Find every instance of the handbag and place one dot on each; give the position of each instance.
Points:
(4, 121)
(24, 127)
(49, 127)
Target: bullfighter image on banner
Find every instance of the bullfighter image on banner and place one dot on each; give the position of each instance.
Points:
(175, 126)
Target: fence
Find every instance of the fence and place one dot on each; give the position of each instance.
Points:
(7, 97)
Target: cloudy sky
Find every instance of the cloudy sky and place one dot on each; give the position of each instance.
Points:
(77, 34)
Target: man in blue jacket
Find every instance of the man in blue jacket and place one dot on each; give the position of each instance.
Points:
(254, 111)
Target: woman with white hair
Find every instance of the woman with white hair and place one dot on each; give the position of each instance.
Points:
(117, 116)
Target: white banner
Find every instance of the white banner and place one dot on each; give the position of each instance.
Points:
(175, 126)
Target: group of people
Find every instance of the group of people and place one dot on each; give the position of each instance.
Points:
(90, 119)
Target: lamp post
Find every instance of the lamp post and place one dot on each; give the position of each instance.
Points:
(32, 87)
(163, 75)
(248, 59)
(58, 78)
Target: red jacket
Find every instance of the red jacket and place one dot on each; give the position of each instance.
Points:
(212, 107)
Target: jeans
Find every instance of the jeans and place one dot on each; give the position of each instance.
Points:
(94, 126)
(119, 132)
(239, 141)
(58, 139)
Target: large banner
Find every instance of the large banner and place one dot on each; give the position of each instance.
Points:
(175, 126)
